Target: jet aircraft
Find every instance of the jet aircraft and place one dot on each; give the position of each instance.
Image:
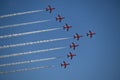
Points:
(91, 34)
(77, 36)
(73, 45)
(59, 18)
(67, 27)
(50, 8)
(64, 64)
(71, 55)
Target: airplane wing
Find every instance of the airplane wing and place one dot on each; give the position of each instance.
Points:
(59, 15)
(66, 24)
(90, 36)
(77, 34)
(73, 43)
(50, 11)
(65, 66)
(90, 31)
(67, 29)
(71, 57)
(59, 20)
(64, 62)
(49, 6)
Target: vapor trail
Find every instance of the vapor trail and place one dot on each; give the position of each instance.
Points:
(23, 24)
(30, 61)
(26, 69)
(20, 13)
(31, 52)
(28, 33)
(31, 43)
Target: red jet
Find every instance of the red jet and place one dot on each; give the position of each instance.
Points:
(91, 34)
(50, 8)
(67, 27)
(59, 18)
(73, 45)
(65, 64)
(77, 36)
(71, 55)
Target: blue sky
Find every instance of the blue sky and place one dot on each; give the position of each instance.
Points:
(97, 58)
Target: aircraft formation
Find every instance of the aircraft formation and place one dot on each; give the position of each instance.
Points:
(73, 45)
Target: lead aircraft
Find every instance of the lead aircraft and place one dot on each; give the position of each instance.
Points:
(91, 34)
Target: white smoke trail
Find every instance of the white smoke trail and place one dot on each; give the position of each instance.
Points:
(23, 24)
(28, 33)
(31, 43)
(30, 61)
(31, 52)
(20, 13)
(27, 69)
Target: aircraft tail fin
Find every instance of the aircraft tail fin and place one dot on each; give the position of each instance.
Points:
(68, 56)
(46, 9)
(61, 64)
(87, 34)
(74, 37)
(63, 27)
(56, 19)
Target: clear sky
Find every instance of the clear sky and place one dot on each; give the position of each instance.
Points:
(97, 58)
